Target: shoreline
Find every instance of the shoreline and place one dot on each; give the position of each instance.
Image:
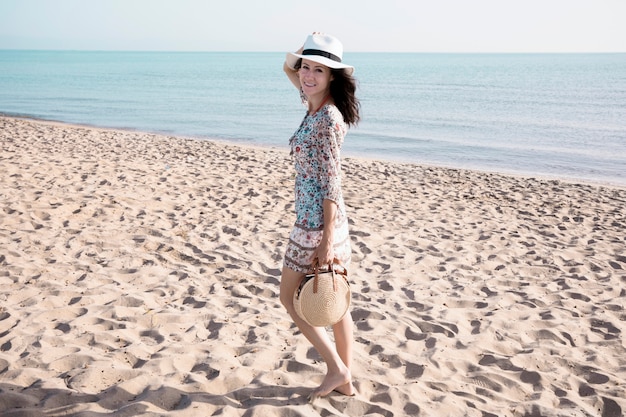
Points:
(540, 177)
(139, 275)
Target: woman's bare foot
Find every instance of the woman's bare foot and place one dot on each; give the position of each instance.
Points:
(340, 382)
(346, 389)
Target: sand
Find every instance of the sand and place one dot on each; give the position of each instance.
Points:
(139, 276)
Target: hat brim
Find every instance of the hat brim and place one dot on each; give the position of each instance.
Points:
(292, 60)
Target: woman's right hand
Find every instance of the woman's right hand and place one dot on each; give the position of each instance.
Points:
(292, 74)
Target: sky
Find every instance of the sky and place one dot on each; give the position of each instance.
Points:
(282, 25)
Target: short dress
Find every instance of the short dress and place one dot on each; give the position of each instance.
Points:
(315, 148)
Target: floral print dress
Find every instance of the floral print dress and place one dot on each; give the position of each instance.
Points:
(315, 148)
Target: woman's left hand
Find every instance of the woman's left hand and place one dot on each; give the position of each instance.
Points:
(324, 253)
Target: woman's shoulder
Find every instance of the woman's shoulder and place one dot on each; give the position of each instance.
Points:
(330, 119)
(331, 113)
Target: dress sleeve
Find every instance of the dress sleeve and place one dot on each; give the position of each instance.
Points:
(328, 145)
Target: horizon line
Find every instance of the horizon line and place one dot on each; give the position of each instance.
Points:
(268, 52)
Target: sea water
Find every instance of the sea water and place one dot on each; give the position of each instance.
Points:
(550, 115)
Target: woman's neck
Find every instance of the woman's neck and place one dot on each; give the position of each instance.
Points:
(316, 104)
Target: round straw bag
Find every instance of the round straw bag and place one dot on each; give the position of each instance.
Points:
(323, 297)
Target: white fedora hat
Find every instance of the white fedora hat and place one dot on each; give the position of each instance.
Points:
(323, 49)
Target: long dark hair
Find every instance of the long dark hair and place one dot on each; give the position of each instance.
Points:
(343, 89)
(343, 92)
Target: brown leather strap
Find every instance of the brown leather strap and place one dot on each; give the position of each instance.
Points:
(316, 269)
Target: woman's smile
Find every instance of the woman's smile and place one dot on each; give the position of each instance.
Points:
(314, 78)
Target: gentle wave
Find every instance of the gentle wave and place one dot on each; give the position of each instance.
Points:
(558, 115)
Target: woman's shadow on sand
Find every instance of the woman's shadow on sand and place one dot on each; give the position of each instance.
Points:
(36, 401)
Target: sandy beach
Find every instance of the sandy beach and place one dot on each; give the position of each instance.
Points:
(139, 276)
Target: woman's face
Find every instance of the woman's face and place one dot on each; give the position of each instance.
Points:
(314, 78)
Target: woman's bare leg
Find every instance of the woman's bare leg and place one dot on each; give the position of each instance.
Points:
(343, 331)
(338, 374)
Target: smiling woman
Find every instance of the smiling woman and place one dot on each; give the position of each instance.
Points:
(315, 83)
(320, 234)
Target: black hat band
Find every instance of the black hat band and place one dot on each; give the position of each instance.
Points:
(321, 53)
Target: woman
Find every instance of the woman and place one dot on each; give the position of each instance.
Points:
(321, 229)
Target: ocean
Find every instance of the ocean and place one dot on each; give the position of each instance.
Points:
(545, 115)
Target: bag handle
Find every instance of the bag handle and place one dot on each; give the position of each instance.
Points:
(316, 268)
